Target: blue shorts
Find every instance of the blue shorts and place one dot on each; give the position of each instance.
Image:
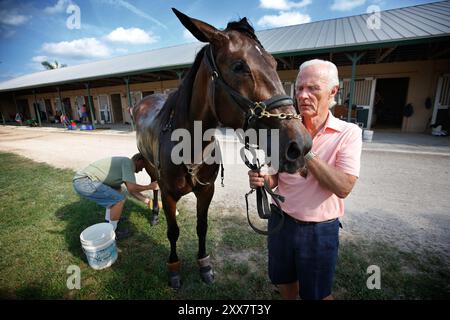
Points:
(98, 192)
(306, 253)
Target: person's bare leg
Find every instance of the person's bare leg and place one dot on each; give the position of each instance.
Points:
(330, 297)
(116, 211)
(289, 291)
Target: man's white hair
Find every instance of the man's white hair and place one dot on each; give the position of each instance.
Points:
(331, 73)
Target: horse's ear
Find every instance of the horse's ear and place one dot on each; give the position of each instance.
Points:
(244, 21)
(199, 29)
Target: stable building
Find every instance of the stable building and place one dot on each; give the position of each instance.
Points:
(394, 69)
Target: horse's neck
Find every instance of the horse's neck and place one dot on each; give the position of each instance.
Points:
(200, 108)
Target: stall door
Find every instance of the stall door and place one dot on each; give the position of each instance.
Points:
(79, 101)
(105, 109)
(363, 97)
(441, 101)
(116, 103)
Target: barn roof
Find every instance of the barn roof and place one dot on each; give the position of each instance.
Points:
(398, 26)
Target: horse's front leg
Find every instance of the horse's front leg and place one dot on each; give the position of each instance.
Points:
(154, 218)
(173, 232)
(204, 197)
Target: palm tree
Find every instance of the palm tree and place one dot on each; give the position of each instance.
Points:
(50, 66)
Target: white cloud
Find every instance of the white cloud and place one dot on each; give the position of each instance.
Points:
(284, 19)
(58, 7)
(85, 48)
(283, 4)
(131, 35)
(12, 19)
(345, 5)
(188, 36)
(39, 59)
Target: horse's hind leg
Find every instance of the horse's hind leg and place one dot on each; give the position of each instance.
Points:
(173, 232)
(204, 197)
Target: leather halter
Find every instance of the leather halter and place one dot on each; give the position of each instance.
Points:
(253, 111)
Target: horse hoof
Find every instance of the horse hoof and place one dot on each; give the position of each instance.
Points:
(207, 274)
(174, 281)
(154, 219)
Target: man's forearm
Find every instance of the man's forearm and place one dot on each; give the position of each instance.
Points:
(331, 178)
(139, 188)
(139, 196)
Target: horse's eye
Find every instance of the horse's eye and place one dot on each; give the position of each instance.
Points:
(239, 67)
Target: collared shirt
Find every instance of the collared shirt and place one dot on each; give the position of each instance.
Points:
(339, 144)
(111, 171)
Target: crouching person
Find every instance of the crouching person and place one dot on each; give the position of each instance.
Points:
(101, 182)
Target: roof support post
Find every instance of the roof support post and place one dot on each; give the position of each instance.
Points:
(130, 104)
(37, 109)
(90, 104)
(354, 59)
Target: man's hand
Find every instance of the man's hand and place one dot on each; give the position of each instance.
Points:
(153, 186)
(256, 179)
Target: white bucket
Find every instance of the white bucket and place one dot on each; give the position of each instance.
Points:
(99, 245)
(367, 135)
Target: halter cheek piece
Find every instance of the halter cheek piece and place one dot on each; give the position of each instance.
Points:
(253, 112)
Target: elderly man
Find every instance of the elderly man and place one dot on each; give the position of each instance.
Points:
(303, 255)
(101, 182)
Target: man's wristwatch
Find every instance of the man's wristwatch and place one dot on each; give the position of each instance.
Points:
(310, 155)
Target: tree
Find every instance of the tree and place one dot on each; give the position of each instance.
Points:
(50, 66)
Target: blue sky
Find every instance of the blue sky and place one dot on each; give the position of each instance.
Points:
(32, 31)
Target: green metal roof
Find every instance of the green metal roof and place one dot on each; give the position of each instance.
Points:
(398, 26)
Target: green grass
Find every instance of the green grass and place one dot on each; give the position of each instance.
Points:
(42, 217)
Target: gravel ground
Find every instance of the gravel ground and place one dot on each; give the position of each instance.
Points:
(401, 196)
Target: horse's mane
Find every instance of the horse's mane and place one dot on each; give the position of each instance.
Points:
(243, 27)
(181, 98)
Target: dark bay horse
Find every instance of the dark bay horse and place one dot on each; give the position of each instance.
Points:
(233, 82)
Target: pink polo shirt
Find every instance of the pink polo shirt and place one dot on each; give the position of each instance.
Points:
(338, 144)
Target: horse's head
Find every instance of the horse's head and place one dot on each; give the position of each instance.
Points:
(244, 89)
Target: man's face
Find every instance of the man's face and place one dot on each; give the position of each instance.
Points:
(313, 92)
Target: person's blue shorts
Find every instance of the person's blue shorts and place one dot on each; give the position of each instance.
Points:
(306, 253)
(98, 192)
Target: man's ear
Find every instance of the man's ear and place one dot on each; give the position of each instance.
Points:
(334, 90)
(203, 31)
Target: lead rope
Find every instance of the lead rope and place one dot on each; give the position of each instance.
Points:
(262, 201)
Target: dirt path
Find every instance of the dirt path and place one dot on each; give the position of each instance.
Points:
(401, 197)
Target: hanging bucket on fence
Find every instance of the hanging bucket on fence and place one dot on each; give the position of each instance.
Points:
(99, 245)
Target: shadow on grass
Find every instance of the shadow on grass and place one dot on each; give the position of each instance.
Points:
(140, 271)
